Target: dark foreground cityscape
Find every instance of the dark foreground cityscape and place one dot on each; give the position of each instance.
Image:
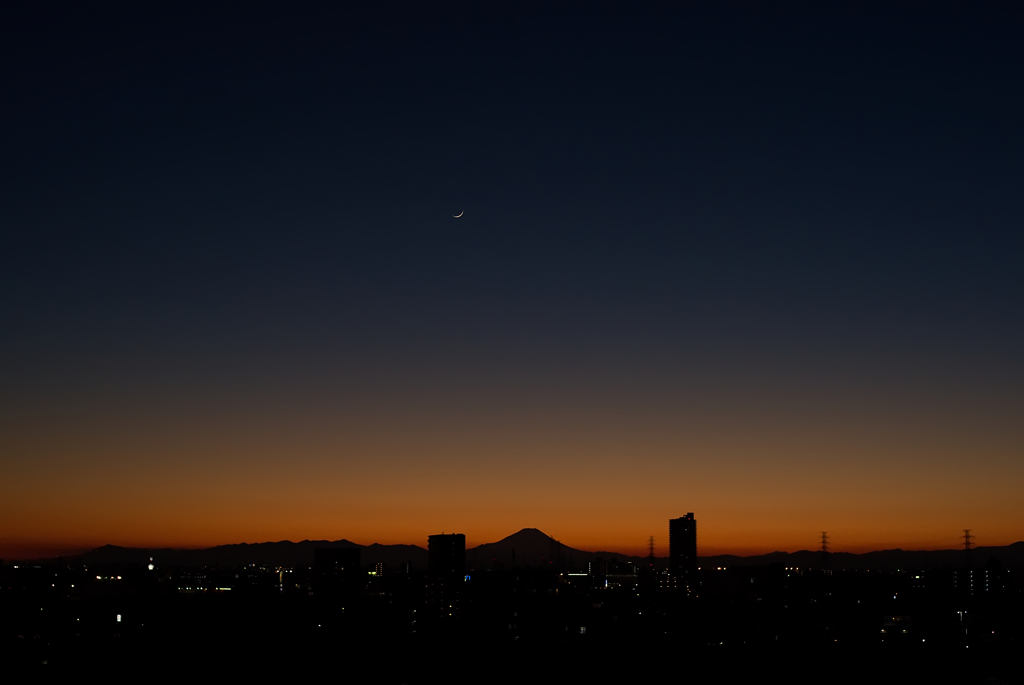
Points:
(525, 609)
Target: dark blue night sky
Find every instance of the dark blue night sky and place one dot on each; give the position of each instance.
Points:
(712, 248)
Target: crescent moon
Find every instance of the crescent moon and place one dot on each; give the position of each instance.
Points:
(456, 216)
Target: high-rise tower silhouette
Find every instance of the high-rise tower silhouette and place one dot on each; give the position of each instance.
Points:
(446, 554)
(682, 545)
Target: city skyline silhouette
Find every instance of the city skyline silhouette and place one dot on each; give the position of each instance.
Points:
(534, 546)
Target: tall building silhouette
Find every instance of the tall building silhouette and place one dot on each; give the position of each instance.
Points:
(682, 545)
(446, 554)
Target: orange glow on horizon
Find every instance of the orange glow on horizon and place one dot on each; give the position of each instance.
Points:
(594, 480)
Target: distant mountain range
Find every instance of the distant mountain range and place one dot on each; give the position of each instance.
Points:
(1010, 556)
(529, 548)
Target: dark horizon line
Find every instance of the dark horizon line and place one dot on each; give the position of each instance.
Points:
(468, 549)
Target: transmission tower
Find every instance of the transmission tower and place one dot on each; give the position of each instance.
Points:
(968, 546)
(824, 550)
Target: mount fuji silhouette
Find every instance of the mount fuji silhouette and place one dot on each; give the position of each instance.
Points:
(531, 548)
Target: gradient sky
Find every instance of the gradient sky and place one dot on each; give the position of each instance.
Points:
(762, 265)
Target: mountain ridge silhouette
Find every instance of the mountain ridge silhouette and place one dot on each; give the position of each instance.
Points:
(526, 548)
